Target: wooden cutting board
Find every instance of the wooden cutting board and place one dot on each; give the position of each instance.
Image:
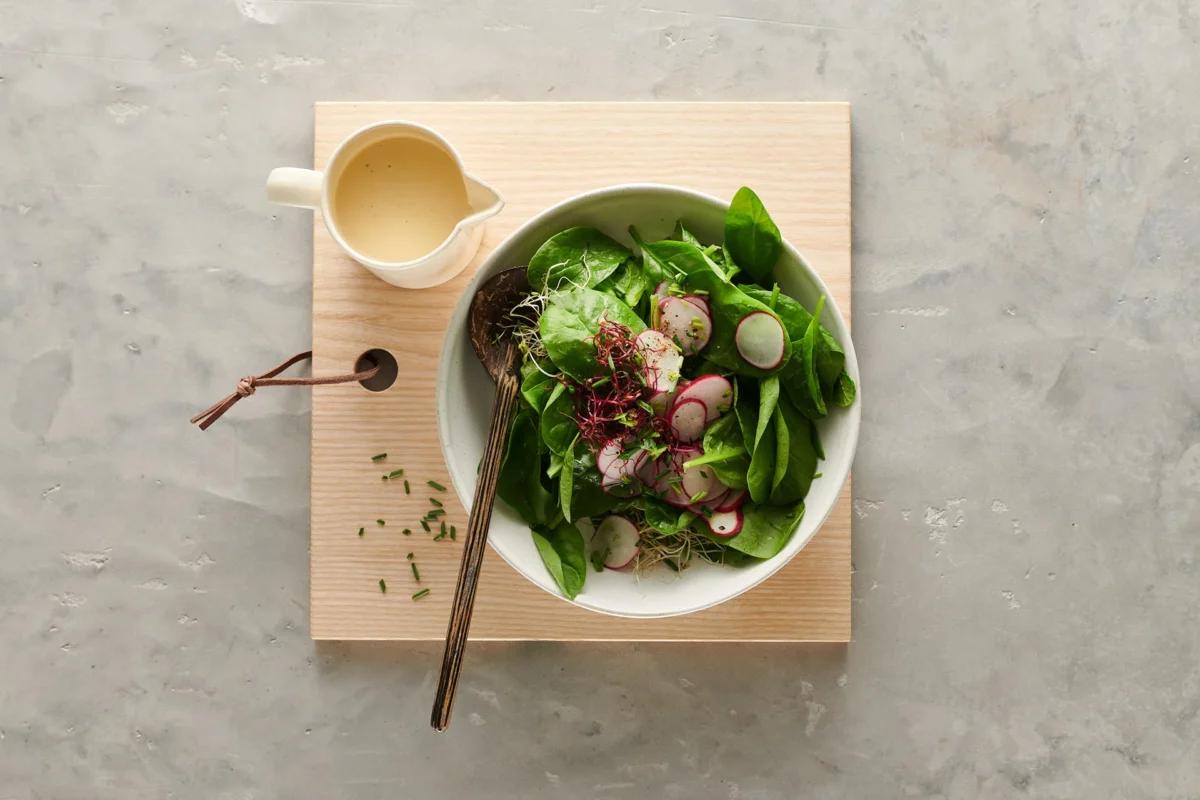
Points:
(795, 155)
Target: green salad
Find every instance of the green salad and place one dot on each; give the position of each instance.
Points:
(668, 400)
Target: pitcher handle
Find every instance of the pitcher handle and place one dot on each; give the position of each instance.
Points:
(292, 186)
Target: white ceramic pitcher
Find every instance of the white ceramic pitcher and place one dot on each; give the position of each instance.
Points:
(306, 188)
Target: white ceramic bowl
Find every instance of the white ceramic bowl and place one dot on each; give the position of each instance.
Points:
(465, 396)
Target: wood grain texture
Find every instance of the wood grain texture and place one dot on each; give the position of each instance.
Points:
(795, 155)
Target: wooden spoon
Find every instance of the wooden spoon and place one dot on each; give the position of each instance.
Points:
(490, 309)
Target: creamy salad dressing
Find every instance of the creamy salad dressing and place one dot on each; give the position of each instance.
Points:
(398, 199)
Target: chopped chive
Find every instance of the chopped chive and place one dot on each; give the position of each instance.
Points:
(383, 585)
(671, 563)
(444, 531)
(453, 533)
(361, 531)
(439, 537)
(420, 594)
(416, 572)
(698, 496)
(379, 457)
(436, 502)
(407, 490)
(380, 523)
(407, 532)
(383, 477)
(425, 525)
(435, 513)
(396, 473)
(436, 485)
(409, 556)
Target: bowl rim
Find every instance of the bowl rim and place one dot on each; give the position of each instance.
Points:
(488, 266)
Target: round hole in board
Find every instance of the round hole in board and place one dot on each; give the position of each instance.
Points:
(388, 370)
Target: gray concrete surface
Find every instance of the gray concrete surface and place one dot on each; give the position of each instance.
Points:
(1026, 232)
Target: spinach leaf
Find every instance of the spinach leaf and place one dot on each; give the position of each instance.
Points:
(629, 283)
(729, 304)
(575, 257)
(654, 268)
(725, 453)
(810, 364)
(782, 449)
(683, 259)
(796, 465)
(570, 321)
(520, 483)
(557, 425)
(830, 357)
(844, 391)
(766, 529)
(762, 466)
(562, 551)
(768, 397)
(535, 386)
(684, 235)
(566, 480)
(662, 517)
(751, 236)
(589, 499)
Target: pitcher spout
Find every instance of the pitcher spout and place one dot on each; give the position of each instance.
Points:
(484, 200)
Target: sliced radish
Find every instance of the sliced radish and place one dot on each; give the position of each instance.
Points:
(688, 325)
(661, 402)
(661, 359)
(618, 538)
(609, 453)
(714, 391)
(725, 523)
(669, 481)
(688, 419)
(731, 501)
(619, 478)
(710, 505)
(700, 303)
(760, 340)
(700, 482)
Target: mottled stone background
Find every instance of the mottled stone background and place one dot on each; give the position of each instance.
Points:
(1026, 228)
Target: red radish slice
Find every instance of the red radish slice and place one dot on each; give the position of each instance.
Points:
(714, 391)
(619, 478)
(609, 453)
(688, 419)
(732, 501)
(700, 303)
(713, 503)
(689, 326)
(760, 340)
(670, 483)
(661, 402)
(699, 482)
(618, 537)
(726, 524)
(662, 360)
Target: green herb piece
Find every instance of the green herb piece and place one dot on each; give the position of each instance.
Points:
(670, 562)
(383, 477)
(436, 485)
(361, 531)
(380, 523)
(383, 585)
(420, 594)
(425, 525)
(396, 473)
(409, 556)
(407, 532)
(453, 533)
(439, 537)
(436, 502)
(416, 573)
(407, 489)
(379, 457)
(444, 530)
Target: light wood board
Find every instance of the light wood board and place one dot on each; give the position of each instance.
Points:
(796, 155)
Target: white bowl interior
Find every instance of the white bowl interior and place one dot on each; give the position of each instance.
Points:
(465, 394)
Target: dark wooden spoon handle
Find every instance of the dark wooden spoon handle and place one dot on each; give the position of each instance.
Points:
(473, 548)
